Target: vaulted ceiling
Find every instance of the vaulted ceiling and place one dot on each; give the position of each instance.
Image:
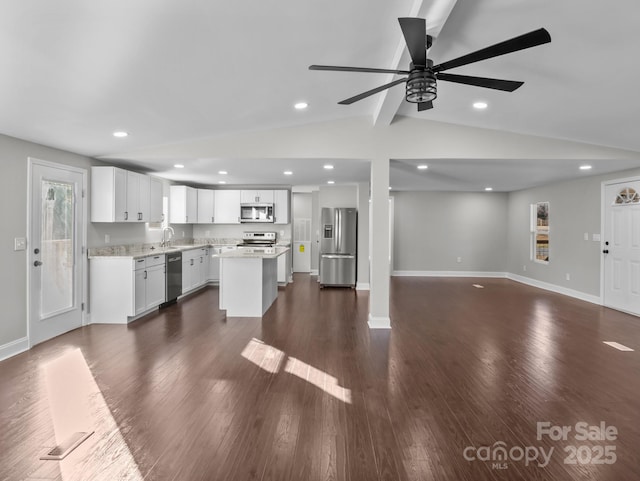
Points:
(172, 72)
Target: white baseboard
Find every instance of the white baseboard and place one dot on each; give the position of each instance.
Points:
(379, 322)
(14, 347)
(448, 274)
(555, 288)
(313, 272)
(362, 286)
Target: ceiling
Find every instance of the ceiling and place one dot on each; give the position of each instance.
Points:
(169, 72)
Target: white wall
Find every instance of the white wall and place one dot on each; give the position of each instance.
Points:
(433, 229)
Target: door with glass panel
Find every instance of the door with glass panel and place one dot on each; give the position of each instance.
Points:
(55, 247)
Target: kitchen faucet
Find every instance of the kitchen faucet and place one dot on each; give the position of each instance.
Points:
(166, 241)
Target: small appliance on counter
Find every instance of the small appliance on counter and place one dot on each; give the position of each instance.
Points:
(338, 246)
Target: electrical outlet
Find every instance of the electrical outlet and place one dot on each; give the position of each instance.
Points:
(524, 268)
(568, 276)
(107, 238)
(183, 234)
(459, 260)
(586, 236)
(207, 233)
(19, 244)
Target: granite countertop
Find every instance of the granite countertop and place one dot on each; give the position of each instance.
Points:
(254, 252)
(138, 251)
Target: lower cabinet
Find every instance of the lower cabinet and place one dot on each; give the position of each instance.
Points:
(121, 288)
(195, 269)
(284, 268)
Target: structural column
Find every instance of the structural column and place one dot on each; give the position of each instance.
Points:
(379, 245)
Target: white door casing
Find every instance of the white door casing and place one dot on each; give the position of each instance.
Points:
(621, 246)
(56, 264)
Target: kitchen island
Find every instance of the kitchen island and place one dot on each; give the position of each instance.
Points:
(249, 280)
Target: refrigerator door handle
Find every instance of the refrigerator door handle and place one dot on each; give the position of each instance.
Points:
(338, 256)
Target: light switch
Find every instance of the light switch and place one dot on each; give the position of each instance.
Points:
(595, 237)
(586, 236)
(19, 244)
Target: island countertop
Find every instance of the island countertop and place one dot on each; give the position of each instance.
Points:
(253, 252)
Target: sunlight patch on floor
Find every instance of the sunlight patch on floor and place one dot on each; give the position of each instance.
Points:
(271, 359)
(76, 404)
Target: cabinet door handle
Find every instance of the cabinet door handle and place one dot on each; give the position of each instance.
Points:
(187, 219)
(126, 215)
(145, 274)
(212, 219)
(201, 260)
(191, 262)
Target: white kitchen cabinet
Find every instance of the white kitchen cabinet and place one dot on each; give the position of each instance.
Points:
(206, 203)
(214, 264)
(137, 197)
(195, 269)
(227, 207)
(284, 268)
(149, 283)
(122, 288)
(183, 204)
(256, 197)
(118, 195)
(155, 200)
(282, 207)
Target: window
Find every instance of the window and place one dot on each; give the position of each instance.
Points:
(540, 232)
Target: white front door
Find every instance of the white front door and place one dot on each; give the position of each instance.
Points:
(621, 246)
(55, 246)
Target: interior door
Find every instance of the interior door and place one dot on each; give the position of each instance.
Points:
(621, 247)
(56, 261)
(301, 245)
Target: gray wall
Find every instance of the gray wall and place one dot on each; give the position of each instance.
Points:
(574, 208)
(432, 229)
(234, 231)
(13, 197)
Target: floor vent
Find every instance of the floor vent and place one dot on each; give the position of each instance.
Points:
(62, 450)
(617, 346)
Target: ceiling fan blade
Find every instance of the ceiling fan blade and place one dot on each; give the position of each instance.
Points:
(415, 34)
(371, 92)
(490, 83)
(528, 40)
(357, 69)
(425, 106)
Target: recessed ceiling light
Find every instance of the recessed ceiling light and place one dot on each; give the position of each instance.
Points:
(178, 166)
(222, 182)
(488, 189)
(328, 166)
(288, 172)
(223, 172)
(480, 105)
(423, 167)
(120, 133)
(301, 105)
(331, 182)
(585, 167)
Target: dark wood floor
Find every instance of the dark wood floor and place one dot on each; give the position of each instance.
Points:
(310, 393)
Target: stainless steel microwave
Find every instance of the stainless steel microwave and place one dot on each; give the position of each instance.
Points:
(256, 213)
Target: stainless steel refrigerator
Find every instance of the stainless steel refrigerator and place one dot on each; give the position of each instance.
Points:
(338, 246)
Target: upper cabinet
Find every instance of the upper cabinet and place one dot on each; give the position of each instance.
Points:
(118, 195)
(183, 204)
(227, 206)
(206, 203)
(281, 206)
(155, 200)
(256, 197)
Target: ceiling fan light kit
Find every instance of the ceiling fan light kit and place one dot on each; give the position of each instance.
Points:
(422, 76)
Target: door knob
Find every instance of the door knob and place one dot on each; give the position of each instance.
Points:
(606, 251)
(37, 263)
(36, 251)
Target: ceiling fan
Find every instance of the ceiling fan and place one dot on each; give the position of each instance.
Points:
(422, 74)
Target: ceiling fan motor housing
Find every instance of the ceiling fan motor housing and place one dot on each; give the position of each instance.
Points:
(421, 84)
